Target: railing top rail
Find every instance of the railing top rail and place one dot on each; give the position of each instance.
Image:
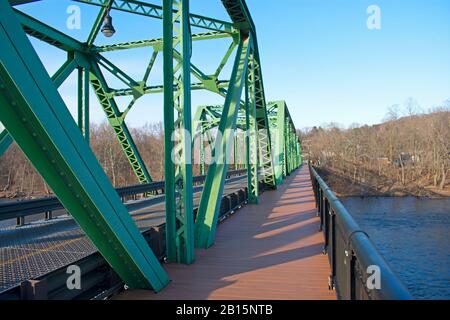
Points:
(392, 288)
(14, 209)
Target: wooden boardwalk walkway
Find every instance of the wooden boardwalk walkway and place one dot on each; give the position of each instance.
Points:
(268, 251)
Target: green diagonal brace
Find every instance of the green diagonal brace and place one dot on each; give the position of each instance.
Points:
(58, 78)
(45, 33)
(118, 124)
(35, 115)
(208, 212)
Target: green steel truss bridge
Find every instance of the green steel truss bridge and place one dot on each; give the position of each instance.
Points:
(34, 115)
(296, 241)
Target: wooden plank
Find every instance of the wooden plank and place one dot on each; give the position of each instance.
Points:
(268, 251)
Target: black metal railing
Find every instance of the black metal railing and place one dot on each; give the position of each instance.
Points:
(356, 264)
(21, 209)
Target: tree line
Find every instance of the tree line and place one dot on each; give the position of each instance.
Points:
(409, 152)
(18, 178)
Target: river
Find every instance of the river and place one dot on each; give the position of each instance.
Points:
(413, 235)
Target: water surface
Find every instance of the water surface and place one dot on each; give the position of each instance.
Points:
(413, 235)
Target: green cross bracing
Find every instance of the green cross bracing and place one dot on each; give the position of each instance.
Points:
(59, 147)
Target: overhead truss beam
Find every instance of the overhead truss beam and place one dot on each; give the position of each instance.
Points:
(155, 11)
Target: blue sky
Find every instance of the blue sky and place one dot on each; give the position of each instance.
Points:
(318, 55)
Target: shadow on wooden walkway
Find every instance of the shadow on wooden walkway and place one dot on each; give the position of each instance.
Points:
(268, 251)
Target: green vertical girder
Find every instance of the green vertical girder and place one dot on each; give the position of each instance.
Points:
(117, 121)
(280, 156)
(83, 102)
(264, 137)
(177, 131)
(252, 146)
(287, 145)
(36, 117)
(208, 212)
(202, 154)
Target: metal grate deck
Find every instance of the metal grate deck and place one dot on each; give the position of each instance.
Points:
(41, 247)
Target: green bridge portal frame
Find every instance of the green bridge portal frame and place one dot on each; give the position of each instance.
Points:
(35, 116)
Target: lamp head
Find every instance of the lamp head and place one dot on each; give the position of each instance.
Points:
(108, 28)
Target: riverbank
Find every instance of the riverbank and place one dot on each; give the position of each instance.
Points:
(344, 186)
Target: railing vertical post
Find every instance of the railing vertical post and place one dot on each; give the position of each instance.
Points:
(351, 275)
(20, 221)
(320, 201)
(326, 228)
(332, 249)
(48, 215)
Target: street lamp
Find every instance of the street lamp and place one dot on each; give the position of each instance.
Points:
(108, 29)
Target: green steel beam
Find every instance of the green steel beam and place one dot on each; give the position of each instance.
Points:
(36, 117)
(98, 23)
(155, 11)
(238, 13)
(119, 74)
(157, 43)
(225, 59)
(264, 137)
(18, 2)
(117, 121)
(252, 146)
(58, 78)
(83, 102)
(208, 212)
(202, 154)
(221, 84)
(177, 131)
(45, 33)
(279, 153)
(64, 71)
(150, 67)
